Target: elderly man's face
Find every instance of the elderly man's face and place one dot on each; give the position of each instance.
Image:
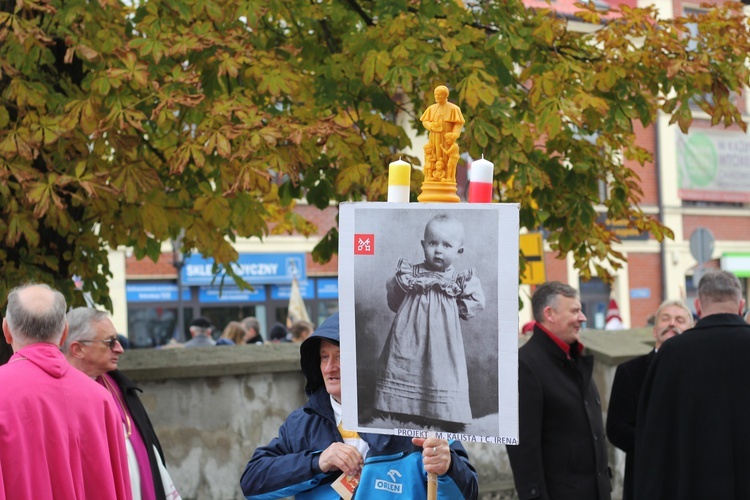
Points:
(98, 357)
(330, 367)
(672, 320)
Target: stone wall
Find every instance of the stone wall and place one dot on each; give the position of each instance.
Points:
(212, 407)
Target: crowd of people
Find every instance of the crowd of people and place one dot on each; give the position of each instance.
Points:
(677, 412)
(248, 331)
(94, 419)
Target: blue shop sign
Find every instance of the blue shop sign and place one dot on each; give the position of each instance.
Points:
(154, 292)
(213, 294)
(282, 292)
(255, 268)
(328, 288)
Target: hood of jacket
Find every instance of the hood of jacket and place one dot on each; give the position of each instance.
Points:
(310, 352)
(46, 356)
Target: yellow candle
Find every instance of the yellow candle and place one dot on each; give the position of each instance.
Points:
(399, 180)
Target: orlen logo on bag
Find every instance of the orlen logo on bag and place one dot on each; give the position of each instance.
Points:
(391, 487)
(364, 244)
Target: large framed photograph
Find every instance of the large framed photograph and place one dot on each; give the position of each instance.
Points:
(429, 319)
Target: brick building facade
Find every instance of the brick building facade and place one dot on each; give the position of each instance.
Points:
(658, 271)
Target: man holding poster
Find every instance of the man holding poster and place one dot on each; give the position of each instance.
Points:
(314, 457)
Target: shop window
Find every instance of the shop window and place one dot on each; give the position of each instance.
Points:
(151, 326)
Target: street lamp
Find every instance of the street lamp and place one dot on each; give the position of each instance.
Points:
(178, 261)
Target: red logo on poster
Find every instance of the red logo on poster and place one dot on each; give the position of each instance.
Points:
(364, 244)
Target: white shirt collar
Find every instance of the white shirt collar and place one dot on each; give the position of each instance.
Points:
(336, 410)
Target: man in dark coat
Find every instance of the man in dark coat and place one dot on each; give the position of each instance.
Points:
(93, 347)
(672, 318)
(562, 452)
(692, 431)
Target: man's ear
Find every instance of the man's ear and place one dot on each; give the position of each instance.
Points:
(64, 335)
(742, 306)
(75, 350)
(547, 313)
(698, 307)
(6, 332)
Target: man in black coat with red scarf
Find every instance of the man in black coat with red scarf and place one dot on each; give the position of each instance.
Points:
(562, 451)
(693, 425)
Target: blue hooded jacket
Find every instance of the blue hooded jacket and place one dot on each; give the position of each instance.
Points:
(288, 465)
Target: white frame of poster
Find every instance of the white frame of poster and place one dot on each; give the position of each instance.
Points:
(373, 237)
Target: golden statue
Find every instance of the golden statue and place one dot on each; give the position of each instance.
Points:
(444, 121)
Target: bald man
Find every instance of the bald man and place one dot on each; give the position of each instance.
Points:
(60, 433)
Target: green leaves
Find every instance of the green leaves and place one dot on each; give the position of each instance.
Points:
(484, 132)
(351, 177)
(26, 93)
(149, 47)
(215, 210)
(21, 225)
(121, 124)
(375, 66)
(476, 87)
(4, 117)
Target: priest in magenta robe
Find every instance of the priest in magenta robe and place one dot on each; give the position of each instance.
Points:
(60, 433)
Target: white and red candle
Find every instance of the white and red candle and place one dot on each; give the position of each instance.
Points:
(399, 180)
(481, 174)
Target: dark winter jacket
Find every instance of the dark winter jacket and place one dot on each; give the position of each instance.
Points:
(288, 465)
(692, 439)
(622, 411)
(562, 453)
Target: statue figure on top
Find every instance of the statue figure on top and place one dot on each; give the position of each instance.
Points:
(444, 121)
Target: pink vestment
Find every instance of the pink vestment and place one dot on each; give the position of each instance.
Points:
(60, 434)
(141, 480)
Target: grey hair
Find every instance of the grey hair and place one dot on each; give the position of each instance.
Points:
(676, 303)
(80, 325)
(30, 325)
(719, 286)
(546, 295)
